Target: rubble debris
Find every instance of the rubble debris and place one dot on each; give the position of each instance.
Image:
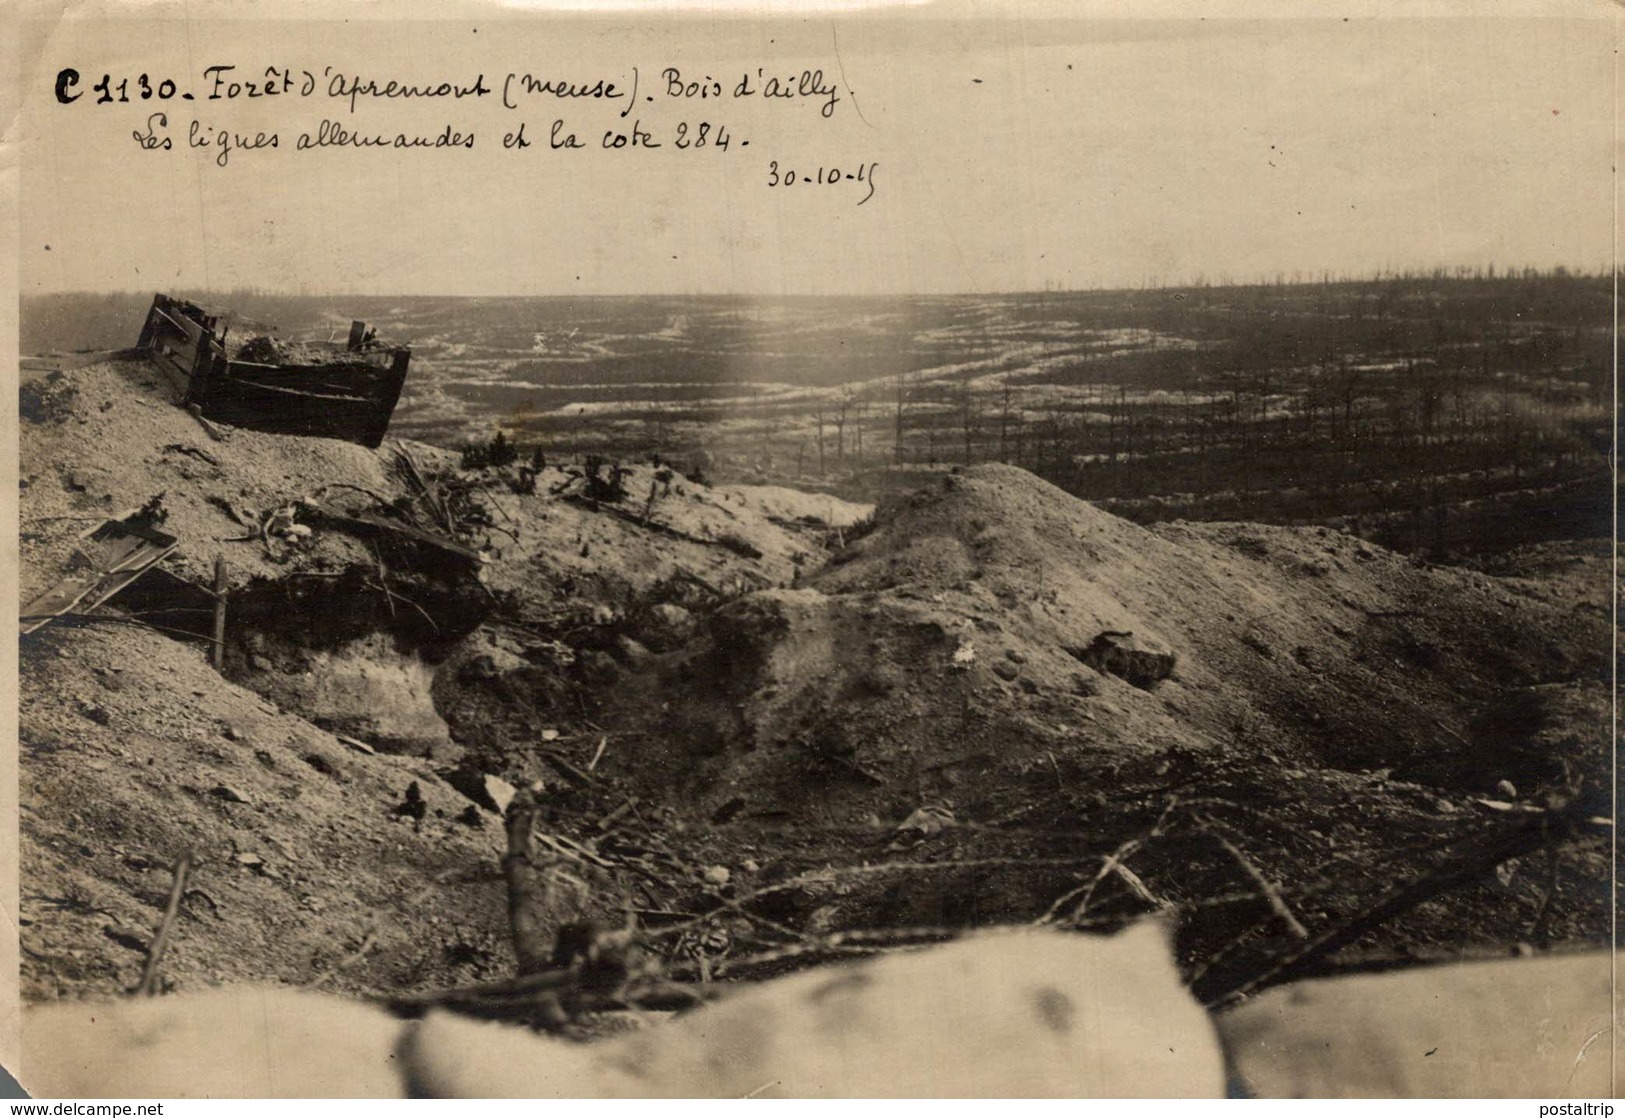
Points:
(927, 820)
(490, 792)
(1137, 660)
(666, 627)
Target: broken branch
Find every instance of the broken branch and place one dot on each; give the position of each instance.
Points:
(160, 941)
(1272, 895)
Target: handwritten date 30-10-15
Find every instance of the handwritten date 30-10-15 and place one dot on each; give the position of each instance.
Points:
(862, 174)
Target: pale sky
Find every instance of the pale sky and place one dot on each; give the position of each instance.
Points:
(1009, 154)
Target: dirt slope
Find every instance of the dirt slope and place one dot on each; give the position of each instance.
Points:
(135, 750)
(929, 732)
(945, 646)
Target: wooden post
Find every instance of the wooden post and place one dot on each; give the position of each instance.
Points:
(528, 907)
(217, 650)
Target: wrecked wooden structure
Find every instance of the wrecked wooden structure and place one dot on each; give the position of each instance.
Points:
(334, 390)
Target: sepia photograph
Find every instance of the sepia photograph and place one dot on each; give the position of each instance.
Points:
(865, 550)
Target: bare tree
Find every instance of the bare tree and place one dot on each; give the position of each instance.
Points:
(1004, 423)
(967, 417)
(897, 437)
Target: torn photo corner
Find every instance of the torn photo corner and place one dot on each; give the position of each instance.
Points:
(819, 550)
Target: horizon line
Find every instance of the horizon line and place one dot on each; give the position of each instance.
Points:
(1438, 274)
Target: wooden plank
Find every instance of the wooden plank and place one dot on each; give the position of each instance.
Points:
(119, 554)
(217, 650)
(59, 599)
(396, 527)
(86, 591)
(191, 330)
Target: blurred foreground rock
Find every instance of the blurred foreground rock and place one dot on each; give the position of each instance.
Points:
(1021, 1014)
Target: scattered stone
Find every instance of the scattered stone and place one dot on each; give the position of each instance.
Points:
(822, 919)
(125, 939)
(599, 669)
(750, 865)
(321, 764)
(1085, 685)
(252, 861)
(1444, 806)
(1507, 789)
(232, 733)
(1137, 660)
(231, 795)
(550, 735)
(260, 663)
(716, 875)
(288, 852)
(490, 792)
(1006, 670)
(1015, 656)
(964, 655)
(667, 627)
(728, 811)
(1028, 685)
(927, 821)
(491, 664)
(633, 654)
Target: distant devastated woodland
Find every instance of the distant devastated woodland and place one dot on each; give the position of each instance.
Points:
(1422, 410)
